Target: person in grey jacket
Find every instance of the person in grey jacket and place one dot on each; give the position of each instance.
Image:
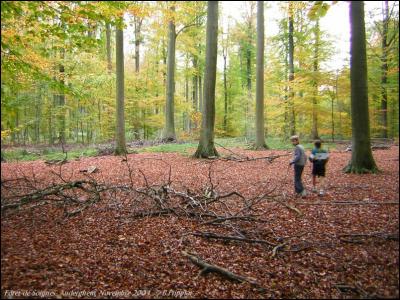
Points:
(299, 160)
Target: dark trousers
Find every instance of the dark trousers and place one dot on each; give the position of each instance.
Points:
(298, 185)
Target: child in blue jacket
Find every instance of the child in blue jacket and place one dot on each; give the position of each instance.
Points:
(319, 157)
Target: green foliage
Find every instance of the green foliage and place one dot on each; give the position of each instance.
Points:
(45, 154)
(184, 149)
(375, 85)
(36, 33)
(318, 10)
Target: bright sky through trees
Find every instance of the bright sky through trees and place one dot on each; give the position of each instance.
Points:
(336, 23)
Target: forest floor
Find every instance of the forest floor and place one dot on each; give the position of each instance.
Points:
(341, 245)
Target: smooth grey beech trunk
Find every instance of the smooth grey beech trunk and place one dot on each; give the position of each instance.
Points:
(362, 160)
(195, 86)
(120, 126)
(206, 146)
(260, 132)
(384, 71)
(224, 56)
(61, 98)
(108, 47)
(314, 133)
(138, 26)
(169, 129)
(292, 116)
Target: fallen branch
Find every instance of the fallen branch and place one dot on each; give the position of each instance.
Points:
(231, 238)
(357, 238)
(220, 219)
(150, 213)
(58, 193)
(56, 161)
(277, 248)
(207, 268)
(344, 288)
(349, 203)
(234, 153)
(380, 147)
(296, 210)
(246, 159)
(41, 194)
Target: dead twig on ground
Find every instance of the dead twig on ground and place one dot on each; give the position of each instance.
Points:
(207, 268)
(211, 235)
(349, 203)
(359, 238)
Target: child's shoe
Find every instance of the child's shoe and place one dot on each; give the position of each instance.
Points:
(321, 193)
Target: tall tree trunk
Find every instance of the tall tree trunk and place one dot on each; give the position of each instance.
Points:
(61, 99)
(384, 70)
(120, 126)
(164, 59)
(25, 134)
(195, 89)
(138, 25)
(76, 119)
(260, 133)
(394, 101)
(243, 83)
(136, 112)
(169, 129)
(50, 123)
(361, 159)
(157, 63)
(248, 80)
(248, 71)
(186, 118)
(314, 133)
(144, 124)
(200, 81)
(200, 94)
(82, 132)
(206, 146)
(17, 125)
(87, 132)
(108, 47)
(195, 86)
(286, 127)
(99, 116)
(224, 55)
(332, 116)
(339, 106)
(38, 115)
(292, 125)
